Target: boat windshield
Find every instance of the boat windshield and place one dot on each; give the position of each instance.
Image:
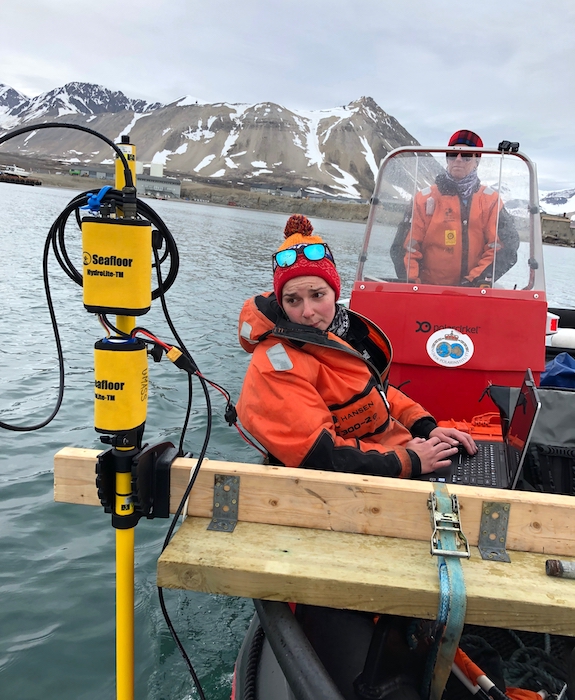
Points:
(455, 217)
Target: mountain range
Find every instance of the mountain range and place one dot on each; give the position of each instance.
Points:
(336, 151)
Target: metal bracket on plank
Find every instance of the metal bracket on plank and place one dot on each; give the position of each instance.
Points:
(493, 531)
(226, 499)
(442, 522)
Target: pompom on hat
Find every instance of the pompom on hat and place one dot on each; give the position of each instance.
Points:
(466, 138)
(298, 230)
(297, 223)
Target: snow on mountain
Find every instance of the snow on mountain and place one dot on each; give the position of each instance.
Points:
(10, 100)
(336, 151)
(188, 100)
(77, 98)
(559, 203)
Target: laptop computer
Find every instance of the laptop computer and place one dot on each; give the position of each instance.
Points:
(497, 464)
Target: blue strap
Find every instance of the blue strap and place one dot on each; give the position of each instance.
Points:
(95, 200)
(452, 604)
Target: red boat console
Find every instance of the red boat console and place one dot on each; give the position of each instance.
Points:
(450, 343)
(459, 292)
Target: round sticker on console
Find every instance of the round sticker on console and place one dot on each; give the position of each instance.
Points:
(449, 348)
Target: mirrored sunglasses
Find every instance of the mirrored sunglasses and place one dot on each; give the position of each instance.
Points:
(311, 251)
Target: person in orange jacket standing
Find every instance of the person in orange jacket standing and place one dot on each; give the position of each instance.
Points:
(458, 233)
(315, 392)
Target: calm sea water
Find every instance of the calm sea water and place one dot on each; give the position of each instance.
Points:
(57, 617)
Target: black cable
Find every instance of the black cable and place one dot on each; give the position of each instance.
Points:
(186, 418)
(57, 240)
(180, 342)
(165, 237)
(169, 536)
(129, 182)
(60, 354)
(194, 476)
(179, 645)
(254, 655)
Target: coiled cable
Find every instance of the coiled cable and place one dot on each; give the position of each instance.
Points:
(56, 239)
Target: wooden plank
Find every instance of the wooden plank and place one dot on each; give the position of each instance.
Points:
(359, 572)
(543, 523)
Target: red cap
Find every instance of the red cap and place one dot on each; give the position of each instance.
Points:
(466, 138)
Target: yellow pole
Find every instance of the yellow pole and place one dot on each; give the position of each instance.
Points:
(124, 592)
(124, 506)
(129, 151)
(125, 323)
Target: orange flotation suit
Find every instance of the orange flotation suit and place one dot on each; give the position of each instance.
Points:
(448, 246)
(312, 400)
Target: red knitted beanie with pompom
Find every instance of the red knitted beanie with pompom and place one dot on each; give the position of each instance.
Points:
(298, 230)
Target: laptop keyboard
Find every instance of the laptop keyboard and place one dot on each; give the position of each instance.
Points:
(478, 469)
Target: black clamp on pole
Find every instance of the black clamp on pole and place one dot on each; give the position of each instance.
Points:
(151, 480)
(149, 469)
(508, 146)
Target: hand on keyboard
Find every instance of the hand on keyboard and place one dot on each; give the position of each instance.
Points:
(433, 453)
(456, 438)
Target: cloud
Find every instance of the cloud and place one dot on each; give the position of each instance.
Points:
(504, 69)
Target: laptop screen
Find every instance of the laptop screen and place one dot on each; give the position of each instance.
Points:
(521, 427)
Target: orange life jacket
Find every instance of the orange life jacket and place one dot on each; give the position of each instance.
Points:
(441, 248)
(312, 400)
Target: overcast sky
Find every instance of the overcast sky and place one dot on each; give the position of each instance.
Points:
(502, 68)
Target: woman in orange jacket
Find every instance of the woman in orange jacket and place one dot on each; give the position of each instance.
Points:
(315, 393)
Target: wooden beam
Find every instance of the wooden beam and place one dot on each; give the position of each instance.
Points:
(350, 503)
(359, 572)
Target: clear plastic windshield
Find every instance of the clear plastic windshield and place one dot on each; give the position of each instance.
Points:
(455, 217)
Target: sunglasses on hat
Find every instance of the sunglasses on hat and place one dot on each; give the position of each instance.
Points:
(465, 156)
(311, 251)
